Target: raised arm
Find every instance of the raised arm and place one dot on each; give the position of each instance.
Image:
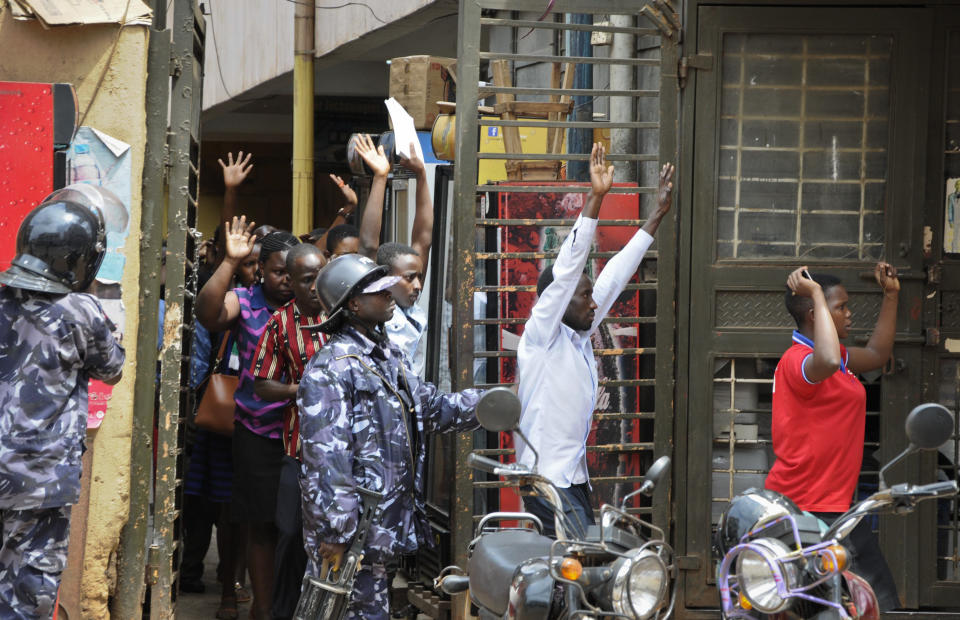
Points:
(825, 359)
(372, 218)
(217, 306)
(619, 269)
(345, 211)
(880, 346)
(234, 173)
(421, 234)
(547, 313)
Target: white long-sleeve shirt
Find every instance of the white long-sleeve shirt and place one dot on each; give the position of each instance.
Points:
(557, 371)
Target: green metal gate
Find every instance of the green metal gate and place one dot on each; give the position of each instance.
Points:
(807, 148)
(477, 255)
(150, 544)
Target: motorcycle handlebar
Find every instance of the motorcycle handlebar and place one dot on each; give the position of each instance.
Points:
(935, 489)
(495, 467)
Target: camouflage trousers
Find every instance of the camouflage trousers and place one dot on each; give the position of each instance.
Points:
(370, 599)
(33, 554)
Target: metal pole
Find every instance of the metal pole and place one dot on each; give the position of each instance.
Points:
(128, 601)
(580, 140)
(622, 109)
(303, 49)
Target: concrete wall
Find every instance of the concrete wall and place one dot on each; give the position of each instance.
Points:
(77, 55)
(250, 43)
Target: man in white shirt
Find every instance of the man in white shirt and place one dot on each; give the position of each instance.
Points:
(557, 372)
(405, 329)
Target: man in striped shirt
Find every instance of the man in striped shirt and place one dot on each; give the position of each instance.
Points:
(284, 349)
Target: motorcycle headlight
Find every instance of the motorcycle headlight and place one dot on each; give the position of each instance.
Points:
(639, 584)
(760, 575)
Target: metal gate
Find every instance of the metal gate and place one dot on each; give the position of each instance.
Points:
(807, 149)
(526, 59)
(150, 543)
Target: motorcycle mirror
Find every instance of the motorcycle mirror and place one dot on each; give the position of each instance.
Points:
(650, 481)
(657, 471)
(928, 426)
(498, 410)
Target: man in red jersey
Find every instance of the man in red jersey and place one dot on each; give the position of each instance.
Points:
(819, 409)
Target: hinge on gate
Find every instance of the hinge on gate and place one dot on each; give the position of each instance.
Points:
(933, 274)
(176, 66)
(931, 336)
(703, 62)
(688, 562)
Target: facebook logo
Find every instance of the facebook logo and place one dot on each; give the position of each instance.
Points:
(493, 132)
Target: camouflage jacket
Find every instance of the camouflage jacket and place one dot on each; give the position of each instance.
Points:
(354, 432)
(50, 346)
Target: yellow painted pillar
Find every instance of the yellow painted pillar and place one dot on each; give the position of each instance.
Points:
(303, 43)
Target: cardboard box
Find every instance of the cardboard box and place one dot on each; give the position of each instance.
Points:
(419, 82)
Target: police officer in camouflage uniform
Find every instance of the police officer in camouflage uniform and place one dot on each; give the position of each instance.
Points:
(364, 423)
(53, 339)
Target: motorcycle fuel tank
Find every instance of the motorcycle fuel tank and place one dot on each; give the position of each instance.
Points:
(531, 591)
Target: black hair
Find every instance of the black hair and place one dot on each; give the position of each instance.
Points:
(299, 251)
(798, 306)
(316, 233)
(263, 230)
(389, 252)
(545, 279)
(277, 241)
(338, 234)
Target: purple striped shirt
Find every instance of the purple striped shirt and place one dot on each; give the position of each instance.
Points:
(261, 417)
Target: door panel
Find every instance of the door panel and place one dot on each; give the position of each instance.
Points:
(805, 152)
(938, 524)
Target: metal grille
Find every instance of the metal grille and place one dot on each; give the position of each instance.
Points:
(742, 416)
(948, 510)
(757, 309)
(803, 138)
(500, 247)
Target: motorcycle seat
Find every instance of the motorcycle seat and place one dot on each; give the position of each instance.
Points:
(495, 559)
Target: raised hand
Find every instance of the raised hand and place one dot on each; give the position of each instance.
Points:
(800, 284)
(235, 172)
(349, 195)
(413, 164)
(601, 175)
(886, 276)
(239, 238)
(374, 156)
(665, 188)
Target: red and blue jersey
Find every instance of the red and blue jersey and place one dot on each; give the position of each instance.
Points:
(817, 432)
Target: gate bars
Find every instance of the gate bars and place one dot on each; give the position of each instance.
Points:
(478, 20)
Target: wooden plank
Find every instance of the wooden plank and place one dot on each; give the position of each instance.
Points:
(536, 109)
(556, 146)
(501, 77)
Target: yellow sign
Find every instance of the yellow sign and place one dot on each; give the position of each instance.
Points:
(532, 139)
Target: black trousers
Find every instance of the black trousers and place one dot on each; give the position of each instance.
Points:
(199, 517)
(868, 560)
(290, 562)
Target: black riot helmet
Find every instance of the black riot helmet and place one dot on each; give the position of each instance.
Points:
(748, 510)
(60, 246)
(347, 276)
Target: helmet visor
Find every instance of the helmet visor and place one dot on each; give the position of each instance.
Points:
(380, 284)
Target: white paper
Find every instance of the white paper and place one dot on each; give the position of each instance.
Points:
(404, 130)
(117, 147)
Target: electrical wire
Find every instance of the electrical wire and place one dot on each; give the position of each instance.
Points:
(340, 6)
(106, 66)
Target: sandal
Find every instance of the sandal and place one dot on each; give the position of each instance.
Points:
(228, 609)
(243, 595)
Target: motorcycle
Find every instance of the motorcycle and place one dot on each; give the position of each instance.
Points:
(780, 562)
(621, 568)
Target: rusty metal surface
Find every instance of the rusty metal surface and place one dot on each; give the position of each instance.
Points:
(175, 401)
(472, 257)
(127, 602)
